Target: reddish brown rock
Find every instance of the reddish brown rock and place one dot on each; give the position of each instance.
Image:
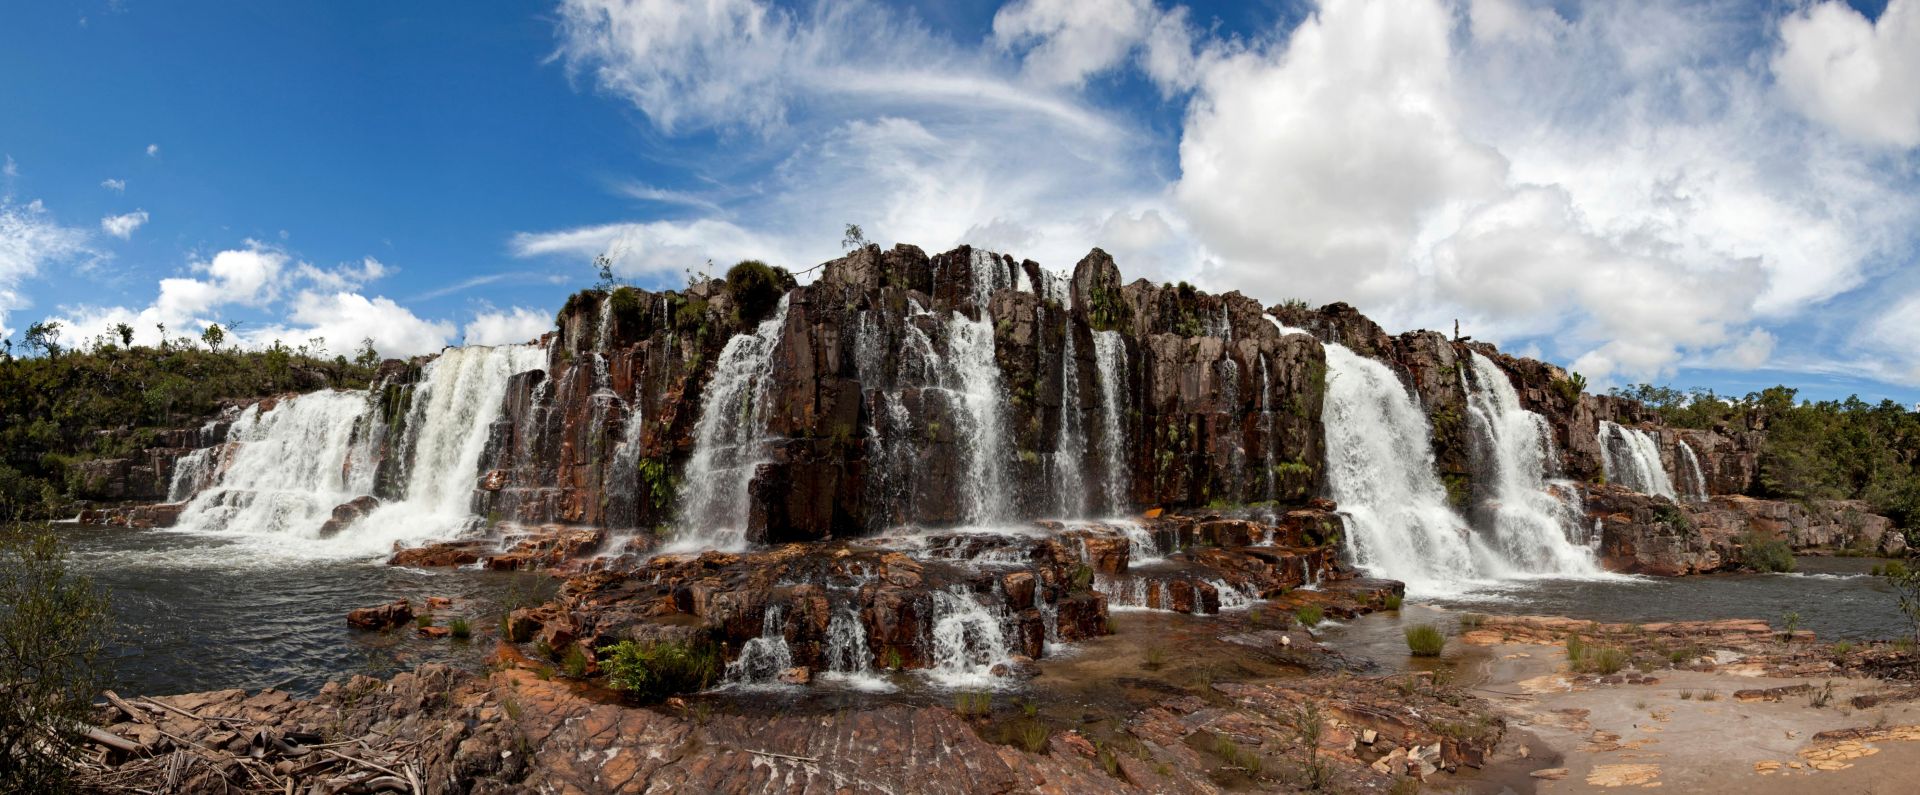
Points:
(383, 617)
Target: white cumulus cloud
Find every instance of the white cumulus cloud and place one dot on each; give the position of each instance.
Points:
(115, 185)
(123, 226)
(1861, 77)
(515, 325)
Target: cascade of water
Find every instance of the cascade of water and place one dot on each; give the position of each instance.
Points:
(762, 659)
(459, 398)
(623, 478)
(729, 440)
(1110, 361)
(967, 640)
(1267, 442)
(1142, 550)
(287, 469)
(193, 472)
(1231, 598)
(1380, 470)
(1237, 454)
(1284, 328)
(1070, 445)
(847, 651)
(1533, 531)
(1695, 476)
(974, 376)
(1632, 459)
(990, 275)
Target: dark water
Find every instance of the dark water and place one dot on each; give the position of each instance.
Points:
(201, 612)
(1835, 597)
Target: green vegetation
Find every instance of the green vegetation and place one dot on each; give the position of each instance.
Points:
(1906, 586)
(460, 628)
(973, 704)
(648, 672)
(105, 400)
(1394, 601)
(1765, 552)
(1425, 640)
(1310, 615)
(1833, 449)
(756, 288)
(53, 625)
(1472, 620)
(1604, 661)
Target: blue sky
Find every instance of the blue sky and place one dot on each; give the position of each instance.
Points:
(1709, 193)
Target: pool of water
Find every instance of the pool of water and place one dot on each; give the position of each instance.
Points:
(203, 612)
(1835, 597)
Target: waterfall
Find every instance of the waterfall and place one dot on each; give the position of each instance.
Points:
(1533, 530)
(1266, 433)
(764, 658)
(1285, 329)
(1142, 550)
(729, 440)
(849, 659)
(286, 468)
(1690, 466)
(1237, 455)
(967, 640)
(1110, 361)
(454, 408)
(990, 275)
(1070, 446)
(285, 471)
(974, 376)
(1380, 470)
(623, 485)
(1632, 459)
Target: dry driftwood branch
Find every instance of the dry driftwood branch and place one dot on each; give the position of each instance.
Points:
(135, 714)
(111, 740)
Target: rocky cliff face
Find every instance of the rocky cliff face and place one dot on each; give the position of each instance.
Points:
(901, 388)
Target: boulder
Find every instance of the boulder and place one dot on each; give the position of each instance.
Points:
(382, 617)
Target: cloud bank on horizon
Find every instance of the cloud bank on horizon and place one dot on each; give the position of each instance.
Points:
(1633, 189)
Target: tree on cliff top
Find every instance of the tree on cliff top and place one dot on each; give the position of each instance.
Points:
(53, 625)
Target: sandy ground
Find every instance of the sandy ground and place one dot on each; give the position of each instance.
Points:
(1688, 733)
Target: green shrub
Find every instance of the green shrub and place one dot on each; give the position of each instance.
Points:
(460, 628)
(973, 704)
(1425, 640)
(1472, 620)
(1310, 615)
(757, 287)
(1576, 648)
(648, 672)
(1394, 601)
(53, 626)
(1765, 552)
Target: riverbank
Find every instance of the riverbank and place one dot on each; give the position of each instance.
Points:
(1741, 709)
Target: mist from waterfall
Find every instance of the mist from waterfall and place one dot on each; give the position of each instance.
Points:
(1533, 530)
(729, 441)
(1631, 458)
(1380, 469)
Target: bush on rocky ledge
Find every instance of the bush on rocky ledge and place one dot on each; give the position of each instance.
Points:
(1762, 552)
(648, 672)
(53, 626)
